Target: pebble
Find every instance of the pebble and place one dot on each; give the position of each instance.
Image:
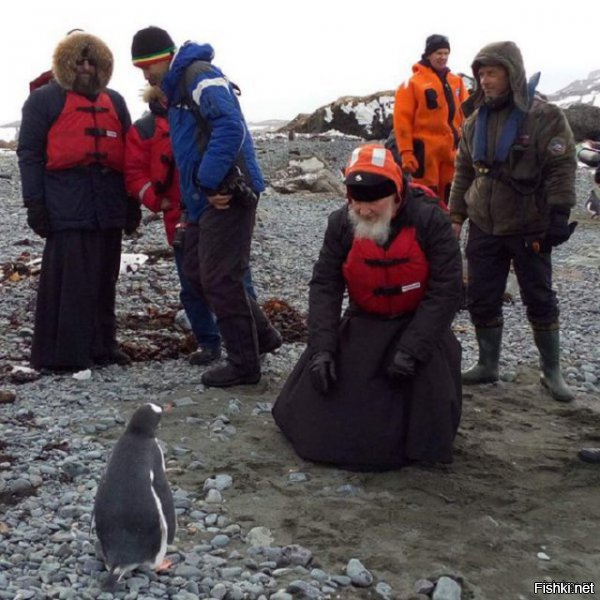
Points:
(358, 574)
(446, 589)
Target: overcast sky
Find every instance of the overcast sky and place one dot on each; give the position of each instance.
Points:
(292, 57)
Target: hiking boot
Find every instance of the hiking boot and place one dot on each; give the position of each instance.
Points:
(242, 365)
(205, 356)
(270, 343)
(227, 376)
(114, 357)
(486, 369)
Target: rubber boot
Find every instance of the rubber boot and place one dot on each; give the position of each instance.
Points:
(269, 339)
(242, 365)
(548, 344)
(486, 369)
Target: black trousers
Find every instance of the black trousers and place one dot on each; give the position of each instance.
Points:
(216, 256)
(489, 258)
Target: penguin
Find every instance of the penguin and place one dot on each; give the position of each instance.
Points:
(133, 508)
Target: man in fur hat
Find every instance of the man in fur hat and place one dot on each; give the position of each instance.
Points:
(380, 386)
(515, 183)
(71, 155)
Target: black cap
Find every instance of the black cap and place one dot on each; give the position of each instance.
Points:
(369, 187)
(151, 44)
(435, 42)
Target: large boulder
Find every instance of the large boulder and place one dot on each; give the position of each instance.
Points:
(368, 117)
(584, 120)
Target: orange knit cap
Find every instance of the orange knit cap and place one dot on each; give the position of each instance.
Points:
(372, 166)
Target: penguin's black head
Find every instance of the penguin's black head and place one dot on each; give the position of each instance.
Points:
(145, 420)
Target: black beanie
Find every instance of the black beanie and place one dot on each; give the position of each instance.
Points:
(150, 45)
(435, 42)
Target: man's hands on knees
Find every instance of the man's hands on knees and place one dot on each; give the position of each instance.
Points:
(402, 366)
(322, 371)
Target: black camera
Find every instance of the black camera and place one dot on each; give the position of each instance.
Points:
(235, 185)
(180, 228)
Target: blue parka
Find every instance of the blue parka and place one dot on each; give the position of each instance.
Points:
(206, 154)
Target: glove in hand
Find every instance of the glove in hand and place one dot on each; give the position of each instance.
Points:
(38, 219)
(403, 366)
(559, 231)
(133, 217)
(410, 164)
(322, 371)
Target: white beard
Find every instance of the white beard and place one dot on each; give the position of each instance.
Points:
(377, 230)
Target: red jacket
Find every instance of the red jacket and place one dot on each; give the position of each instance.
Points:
(150, 172)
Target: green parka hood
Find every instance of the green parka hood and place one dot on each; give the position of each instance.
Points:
(508, 55)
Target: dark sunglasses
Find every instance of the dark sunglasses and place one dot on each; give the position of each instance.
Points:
(89, 61)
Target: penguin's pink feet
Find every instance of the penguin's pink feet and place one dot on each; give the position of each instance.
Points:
(165, 565)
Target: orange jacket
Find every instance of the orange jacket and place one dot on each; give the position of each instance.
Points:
(427, 110)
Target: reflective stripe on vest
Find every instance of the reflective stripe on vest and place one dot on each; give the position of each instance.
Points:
(387, 282)
(86, 132)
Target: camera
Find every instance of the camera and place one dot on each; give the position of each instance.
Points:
(235, 184)
(180, 228)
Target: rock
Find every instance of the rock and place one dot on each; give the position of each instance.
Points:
(7, 397)
(358, 574)
(584, 120)
(367, 117)
(447, 589)
(259, 536)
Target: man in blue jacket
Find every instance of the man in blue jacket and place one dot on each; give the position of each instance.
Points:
(220, 184)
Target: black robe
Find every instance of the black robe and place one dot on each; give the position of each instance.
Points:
(369, 421)
(75, 322)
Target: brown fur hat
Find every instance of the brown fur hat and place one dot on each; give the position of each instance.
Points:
(75, 46)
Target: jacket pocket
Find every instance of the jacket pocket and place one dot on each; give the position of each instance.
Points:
(431, 98)
(419, 152)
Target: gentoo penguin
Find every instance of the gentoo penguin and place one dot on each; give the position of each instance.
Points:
(133, 510)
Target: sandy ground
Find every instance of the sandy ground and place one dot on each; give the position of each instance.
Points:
(515, 489)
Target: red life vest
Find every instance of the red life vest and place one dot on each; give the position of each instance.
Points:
(86, 132)
(387, 282)
(162, 163)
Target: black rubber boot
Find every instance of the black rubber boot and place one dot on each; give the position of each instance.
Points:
(489, 340)
(548, 344)
(269, 339)
(242, 365)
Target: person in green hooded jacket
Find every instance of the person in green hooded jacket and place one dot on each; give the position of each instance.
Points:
(515, 183)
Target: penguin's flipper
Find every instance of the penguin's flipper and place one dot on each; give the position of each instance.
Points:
(163, 491)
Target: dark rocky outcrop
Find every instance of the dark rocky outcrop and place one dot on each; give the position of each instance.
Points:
(584, 120)
(368, 117)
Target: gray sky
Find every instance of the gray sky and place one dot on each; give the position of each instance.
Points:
(292, 57)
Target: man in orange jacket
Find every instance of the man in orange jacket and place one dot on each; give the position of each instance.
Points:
(428, 118)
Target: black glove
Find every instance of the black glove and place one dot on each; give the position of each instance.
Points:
(559, 231)
(133, 216)
(322, 371)
(402, 366)
(38, 219)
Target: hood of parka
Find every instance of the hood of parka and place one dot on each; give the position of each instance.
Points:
(509, 56)
(71, 49)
